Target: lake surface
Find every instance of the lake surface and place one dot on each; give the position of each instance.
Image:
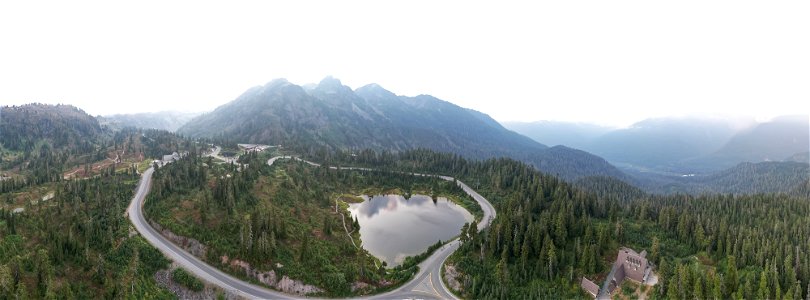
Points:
(392, 227)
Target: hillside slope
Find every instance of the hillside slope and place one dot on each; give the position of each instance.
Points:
(770, 141)
(64, 126)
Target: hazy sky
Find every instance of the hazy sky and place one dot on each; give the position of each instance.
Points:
(607, 62)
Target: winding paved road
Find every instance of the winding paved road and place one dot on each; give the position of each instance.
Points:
(426, 284)
(215, 154)
(187, 261)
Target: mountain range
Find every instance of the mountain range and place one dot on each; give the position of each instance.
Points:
(668, 155)
(334, 116)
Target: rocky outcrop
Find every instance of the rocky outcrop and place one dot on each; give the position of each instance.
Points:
(288, 285)
(269, 278)
(451, 278)
(191, 245)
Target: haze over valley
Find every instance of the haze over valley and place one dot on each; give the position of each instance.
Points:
(682, 145)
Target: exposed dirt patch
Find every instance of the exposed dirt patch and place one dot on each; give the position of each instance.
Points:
(318, 234)
(119, 159)
(705, 260)
(360, 286)
(28, 195)
(164, 279)
(191, 245)
(187, 204)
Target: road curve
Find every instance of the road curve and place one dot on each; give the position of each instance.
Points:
(215, 154)
(426, 284)
(187, 261)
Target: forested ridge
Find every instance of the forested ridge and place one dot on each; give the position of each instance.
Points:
(64, 126)
(746, 178)
(548, 234)
(39, 140)
(763, 177)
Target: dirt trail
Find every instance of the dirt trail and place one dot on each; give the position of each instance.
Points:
(343, 217)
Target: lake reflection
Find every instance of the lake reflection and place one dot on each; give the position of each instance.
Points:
(393, 228)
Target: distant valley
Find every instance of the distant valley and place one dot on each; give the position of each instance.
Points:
(165, 120)
(682, 145)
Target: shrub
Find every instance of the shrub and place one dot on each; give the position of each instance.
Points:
(182, 277)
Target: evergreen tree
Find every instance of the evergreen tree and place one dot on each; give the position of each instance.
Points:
(551, 259)
(763, 292)
(697, 293)
(655, 250)
(717, 291)
(463, 237)
(6, 280)
(672, 292)
(731, 274)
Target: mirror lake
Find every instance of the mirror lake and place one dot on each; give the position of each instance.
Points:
(393, 227)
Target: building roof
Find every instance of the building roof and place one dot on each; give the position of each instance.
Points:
(629, 264)
(632, 252)
(171, 157)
